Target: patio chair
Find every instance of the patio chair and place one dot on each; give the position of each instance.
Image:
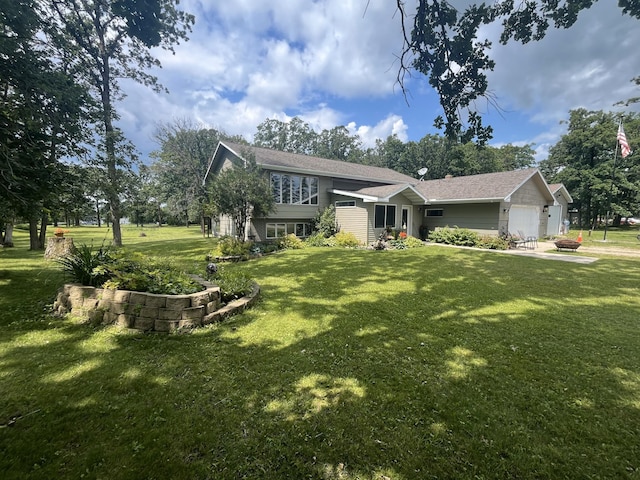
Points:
(517, 241)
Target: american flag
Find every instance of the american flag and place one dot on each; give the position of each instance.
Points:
(625, 149)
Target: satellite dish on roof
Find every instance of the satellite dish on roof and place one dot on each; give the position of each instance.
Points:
(422, 171)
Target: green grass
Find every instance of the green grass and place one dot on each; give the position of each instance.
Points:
(625, 237)
(424, 363)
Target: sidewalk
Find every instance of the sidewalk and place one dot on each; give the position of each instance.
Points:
(542, 250)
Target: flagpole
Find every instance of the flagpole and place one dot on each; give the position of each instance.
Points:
(613, 172)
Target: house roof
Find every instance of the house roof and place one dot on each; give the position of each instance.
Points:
(560, 189)
(296, 163)
(487, 187)
(384, 193)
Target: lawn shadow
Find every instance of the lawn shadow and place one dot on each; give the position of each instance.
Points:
(353, 365)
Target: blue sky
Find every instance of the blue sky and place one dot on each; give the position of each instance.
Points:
(333, 62)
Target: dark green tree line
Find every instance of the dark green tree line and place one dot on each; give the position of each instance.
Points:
(588, 162)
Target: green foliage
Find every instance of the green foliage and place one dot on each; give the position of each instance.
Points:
(325, 222)
(346, 239)
(450, 350)
(144, 274)
(290, 242)
(231, 247)
(234, 283)
(117, 269)
(296, 136)
(103, 42)
(413, 242)
(181, 164)
(241, 192)
(455, 236)
(585, 161)
(86, 266)
(493, 243)
(316, 239)
(319, 240)
(438, 33)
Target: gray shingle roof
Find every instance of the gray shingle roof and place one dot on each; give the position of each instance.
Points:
(294, 162)
(487, 186)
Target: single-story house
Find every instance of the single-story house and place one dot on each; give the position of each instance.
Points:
(370, 199)
(515, 202)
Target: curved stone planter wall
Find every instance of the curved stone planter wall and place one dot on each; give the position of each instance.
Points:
(148, 311)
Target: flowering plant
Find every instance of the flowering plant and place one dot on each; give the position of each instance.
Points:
(402, 235)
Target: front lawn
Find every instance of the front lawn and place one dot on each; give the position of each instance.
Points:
(434, 362)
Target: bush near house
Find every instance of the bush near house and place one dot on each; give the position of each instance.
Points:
(455, 236)
(346, 239)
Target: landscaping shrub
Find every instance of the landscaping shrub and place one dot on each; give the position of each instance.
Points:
(231, 247)
(455, 236)
(413, 242)
(290, 242)
(316, 239)
(233, 283)
(346, 239)
(319, 240)
(117, 269)
(325, 222)
(493, 243)
(397, 245)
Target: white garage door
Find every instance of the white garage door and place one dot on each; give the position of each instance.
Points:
(525, 219)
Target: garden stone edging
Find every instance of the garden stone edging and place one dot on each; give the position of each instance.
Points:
(148, 311)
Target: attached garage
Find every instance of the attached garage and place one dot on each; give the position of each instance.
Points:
(525, 219)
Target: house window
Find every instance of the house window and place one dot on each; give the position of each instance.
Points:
(434, 212)
(299, 229)
(345, 203)
(385, 216)
(294, 189)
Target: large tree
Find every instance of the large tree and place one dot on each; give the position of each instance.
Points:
(441, 42)
(181, 164)
(587, 162)
(241, 192)
(110, 40)
(41, 116)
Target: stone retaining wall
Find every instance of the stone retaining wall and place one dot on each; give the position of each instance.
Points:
(147, 311)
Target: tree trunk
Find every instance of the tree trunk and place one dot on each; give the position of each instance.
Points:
(34, 240)
(43, 229)
(7, 241)
(98, 211)
(110, 144)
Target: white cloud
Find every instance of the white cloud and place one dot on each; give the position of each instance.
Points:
(332, 62)
(392, 125)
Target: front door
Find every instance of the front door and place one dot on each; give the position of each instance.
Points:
(406, 219)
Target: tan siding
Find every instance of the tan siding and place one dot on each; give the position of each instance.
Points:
(353, 220)
(529, 194)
